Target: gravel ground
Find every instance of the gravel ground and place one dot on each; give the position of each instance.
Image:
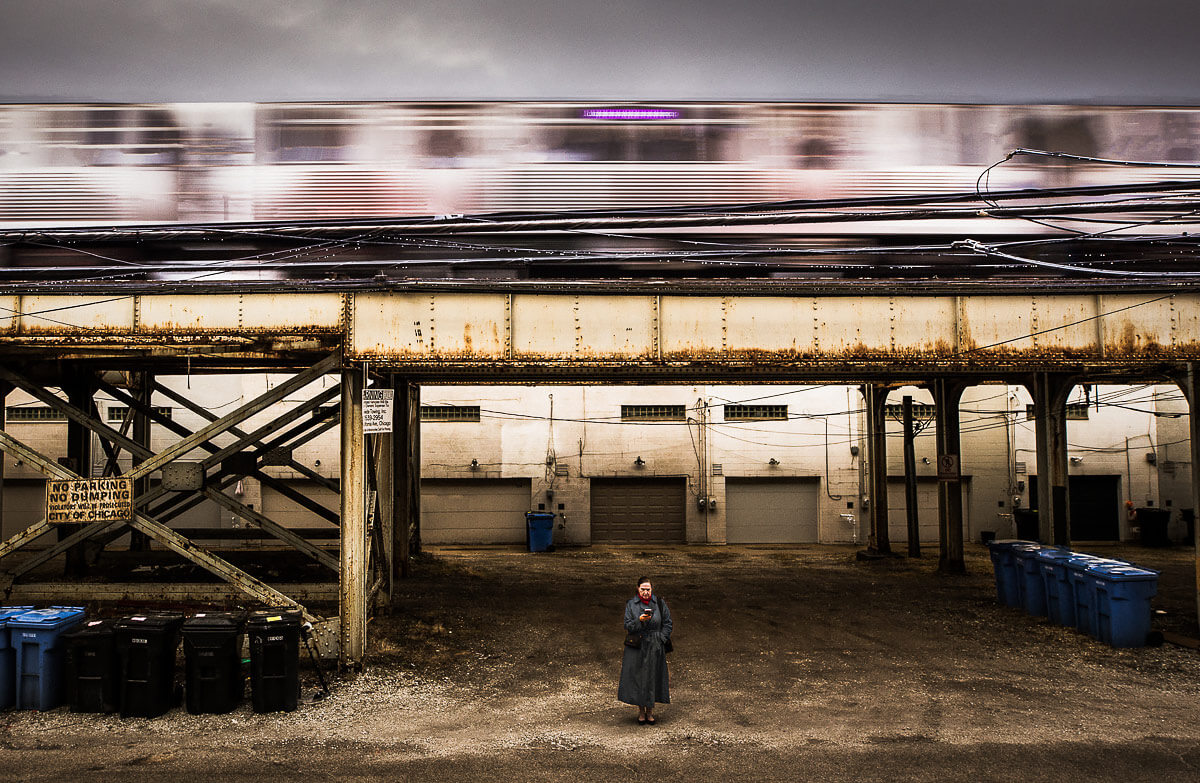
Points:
(789, 662)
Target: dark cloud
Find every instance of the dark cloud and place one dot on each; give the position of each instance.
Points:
(933, 50)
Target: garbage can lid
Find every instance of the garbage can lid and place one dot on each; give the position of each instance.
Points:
(12, 611)
(155, 621)
(92, 628)
(264, 618)
(46, 618)
(1055, 554)
(1122, 572)
(1008, 543)
(1080, 562)
(215, 621)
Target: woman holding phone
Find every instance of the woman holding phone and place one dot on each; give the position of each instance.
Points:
(644, 666)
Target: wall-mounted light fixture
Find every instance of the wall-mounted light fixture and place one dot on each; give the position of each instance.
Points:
(924, 460)
(772, 461)
(1076, 460)
(474, 464)
(639, 463)
(854, 451)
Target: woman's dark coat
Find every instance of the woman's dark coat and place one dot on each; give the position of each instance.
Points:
(644, 669)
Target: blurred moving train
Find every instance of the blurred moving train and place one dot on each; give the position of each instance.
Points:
(74, 165)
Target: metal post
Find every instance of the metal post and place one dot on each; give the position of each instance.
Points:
(139, 541)
(353, 583)
(5, 388)
(385, 484)
(1050, 394)
(946, 396)
(910, 481)
(1191, 389)
(79, 459)
(878, 540)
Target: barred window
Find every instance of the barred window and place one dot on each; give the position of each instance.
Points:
(325, 412)
(653, 412)
(755, 412)
(921, 410)
(118, 413)
(1076, 411)
(33, 413)
(449, 413)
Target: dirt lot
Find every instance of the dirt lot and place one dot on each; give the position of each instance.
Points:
(796, 663)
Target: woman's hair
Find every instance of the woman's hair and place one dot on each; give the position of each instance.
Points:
(642, 580)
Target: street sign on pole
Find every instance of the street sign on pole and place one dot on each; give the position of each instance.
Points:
(377, 410)
(947, 467)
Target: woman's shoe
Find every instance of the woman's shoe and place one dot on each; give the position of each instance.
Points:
(650, 721)
(641, 721)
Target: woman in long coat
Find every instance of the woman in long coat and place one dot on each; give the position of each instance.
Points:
(644, 668)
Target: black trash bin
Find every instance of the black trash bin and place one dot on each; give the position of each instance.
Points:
(274, 659)
(212, 654)
(1027, 524)
(1153, 522)
(146, 645)
(92, 668)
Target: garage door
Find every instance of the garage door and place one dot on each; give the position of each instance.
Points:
(638, 511)
(24, 504)
(287, 512)
(771, 511)
(474, 511)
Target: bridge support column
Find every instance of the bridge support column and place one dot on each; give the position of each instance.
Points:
(1050, 393)
(139, 541)
(875, 397)
(81, 393)
(354, 545)
(947, 392)
(406, 455)
(1190, 384)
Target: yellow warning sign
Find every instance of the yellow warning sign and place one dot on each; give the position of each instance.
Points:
(89, 500)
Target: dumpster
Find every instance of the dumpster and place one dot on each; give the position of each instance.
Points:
(212, 652)
(1060, 596)
(274, 659)
(1008, 584)
(93, 672)
(1153, 524)
(8, 657)
(36, 637)
(539, 531)
(1083, 590)
(1028, 575)
(146, 646)
(1122, 602)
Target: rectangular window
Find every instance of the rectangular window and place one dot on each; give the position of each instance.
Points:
(921, 410)
(449, 413)
(653, 412)
(118, 413)
(756, 412)
(1076, 411)
(33, 413)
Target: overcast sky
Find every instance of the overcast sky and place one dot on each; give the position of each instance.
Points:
(1106, 51)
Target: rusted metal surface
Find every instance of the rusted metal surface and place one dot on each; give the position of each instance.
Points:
(141, 591)
(354, 552)
(448, 332)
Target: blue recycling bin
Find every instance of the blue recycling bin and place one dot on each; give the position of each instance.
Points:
(1008, 586)
(1083, 590)
(540, 528)
(1028, 577)
(1122, 602)
(8, 657)
(39, 665)
(1060, 596)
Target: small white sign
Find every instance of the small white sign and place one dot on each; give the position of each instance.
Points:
(377, 410)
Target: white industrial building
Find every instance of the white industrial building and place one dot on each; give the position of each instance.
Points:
(738, 464)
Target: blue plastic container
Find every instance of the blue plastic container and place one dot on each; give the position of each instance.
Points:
(1083, 590)
(1122, 602)
(1060, 596)
(1028, 575)
(540, 526)
(1008, 585)
(8, 657)
(39, 665)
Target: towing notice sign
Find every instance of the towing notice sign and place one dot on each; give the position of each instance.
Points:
(89, 500)
(377, 410)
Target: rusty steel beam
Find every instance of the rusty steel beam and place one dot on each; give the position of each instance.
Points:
(267, 525)
(947, 395)
(875, 398)
(49, 592)
(354, 546)
(1189, 382)
(1050, 392)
